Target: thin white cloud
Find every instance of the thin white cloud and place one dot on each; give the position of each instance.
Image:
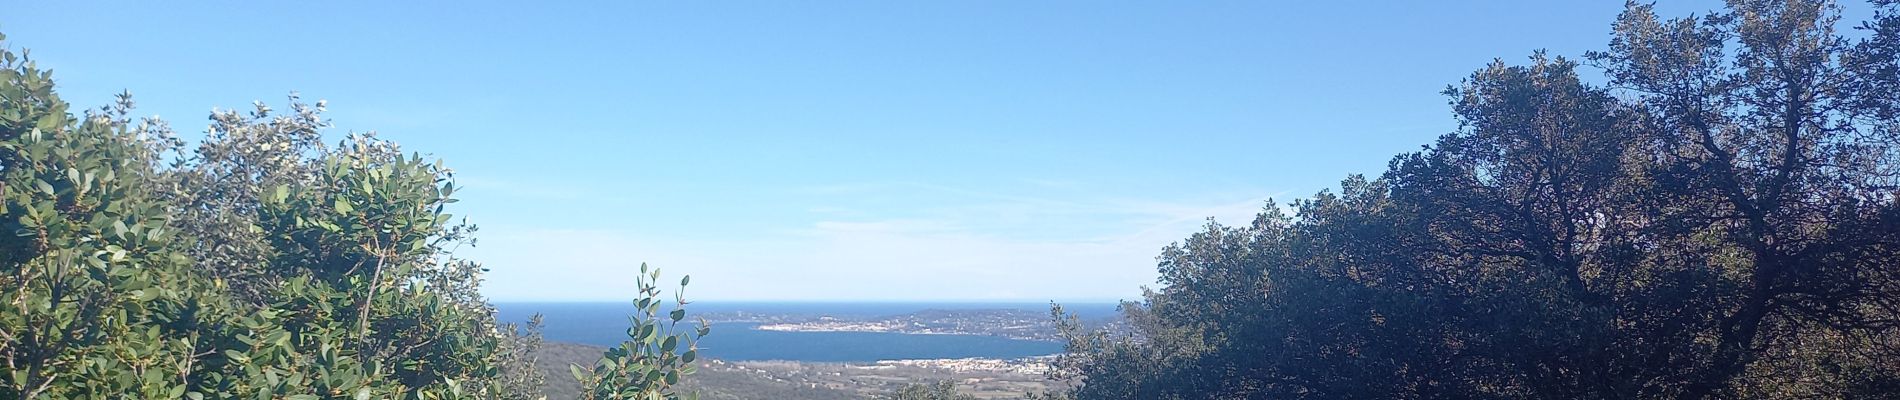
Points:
(969, 248)
(829, 264)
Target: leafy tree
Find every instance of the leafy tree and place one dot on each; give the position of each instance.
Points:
(1776, 135)
(1718, 222)
(262, 264)
(99, 303)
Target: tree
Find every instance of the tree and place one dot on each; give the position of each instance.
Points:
(263, 264)
(1777, 135)
(1718, 222)
(98, 301)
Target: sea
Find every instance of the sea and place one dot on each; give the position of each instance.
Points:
(605, 324)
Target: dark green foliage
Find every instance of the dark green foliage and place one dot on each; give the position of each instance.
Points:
(97, 303)
(261, 265)
(1721, 224)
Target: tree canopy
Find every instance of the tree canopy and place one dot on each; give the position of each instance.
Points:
(1718, 219)
(261, 263)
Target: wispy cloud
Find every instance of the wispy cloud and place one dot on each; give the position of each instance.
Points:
(863, 262)
(965, 245)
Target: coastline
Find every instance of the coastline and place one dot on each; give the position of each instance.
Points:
(884, 327)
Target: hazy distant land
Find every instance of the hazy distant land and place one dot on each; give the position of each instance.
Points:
(792, 380)
(834, 332)
(1010, 323)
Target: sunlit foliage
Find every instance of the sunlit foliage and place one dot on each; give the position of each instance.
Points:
(261, 263)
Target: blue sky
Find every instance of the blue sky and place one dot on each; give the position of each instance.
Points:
(873, 150)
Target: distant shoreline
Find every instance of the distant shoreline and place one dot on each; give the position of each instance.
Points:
(879, 327)
(827, 333)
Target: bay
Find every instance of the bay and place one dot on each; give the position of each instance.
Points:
(605, 324)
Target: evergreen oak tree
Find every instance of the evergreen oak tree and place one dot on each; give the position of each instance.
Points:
(1718, 219)
(260, 264)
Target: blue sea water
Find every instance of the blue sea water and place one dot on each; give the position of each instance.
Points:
(605, 324)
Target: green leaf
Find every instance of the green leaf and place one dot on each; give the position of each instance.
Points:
(342, 205)
(576, 371)
(44, 187)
